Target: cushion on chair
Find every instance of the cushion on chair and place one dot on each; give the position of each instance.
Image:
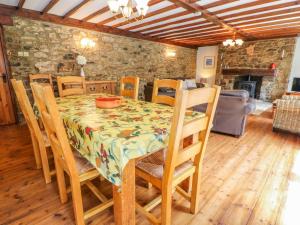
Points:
(82, 164)
(154, 165)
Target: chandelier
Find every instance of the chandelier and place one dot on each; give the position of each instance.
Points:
(233, 42)
(126, 7)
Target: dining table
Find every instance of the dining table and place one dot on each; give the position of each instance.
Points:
(112, 139)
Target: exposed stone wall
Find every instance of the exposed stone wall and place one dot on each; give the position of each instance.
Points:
(260, 54)
(52, 48)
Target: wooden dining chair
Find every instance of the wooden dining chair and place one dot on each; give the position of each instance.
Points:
(71, 85)
(134, 83)
(39, 138)
(41, 77)
(165, 83)
(181, 162)
(80, 171)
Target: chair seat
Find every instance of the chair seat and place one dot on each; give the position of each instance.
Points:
(82, 164)
(154, 165)
(46, 139)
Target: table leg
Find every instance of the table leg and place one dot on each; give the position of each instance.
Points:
(124, 198)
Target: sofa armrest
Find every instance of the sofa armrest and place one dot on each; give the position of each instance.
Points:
(249, 108)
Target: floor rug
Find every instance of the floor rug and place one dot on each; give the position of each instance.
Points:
(261, 106)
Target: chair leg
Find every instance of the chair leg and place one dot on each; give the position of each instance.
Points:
(166, 206)
(195, 195)
(45, 164)
(36, 151)
(77, 202)
(60, 176)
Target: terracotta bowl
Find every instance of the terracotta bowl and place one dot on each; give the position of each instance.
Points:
(108, 102)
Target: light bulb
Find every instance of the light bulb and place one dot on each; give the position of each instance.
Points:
(126, 11)
(84, 42)
(225, 43)
(142, 10)
(239, 42)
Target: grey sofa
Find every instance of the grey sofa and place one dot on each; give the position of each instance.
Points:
(231, 113)
(148, 89)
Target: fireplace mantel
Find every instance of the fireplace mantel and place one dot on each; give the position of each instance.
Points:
(249, 72)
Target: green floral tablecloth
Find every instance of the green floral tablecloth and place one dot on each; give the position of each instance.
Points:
(109, 138)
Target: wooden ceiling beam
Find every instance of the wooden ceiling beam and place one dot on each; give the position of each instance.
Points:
(218, 3)
(203, 37)
(255, 25)
(172, 23)
(194, 8)
(34, 15)
(244, 6)
(50, 5)
(192, 29)
(176, 15)
(275, 13)
(284, 33)
(216, 37)
(270, 27)
(277, 18)
(202, 24)
(263, 31)
(118, 16)
(197, 17)
(262, 9)
(154, 13)
(76, 8)
(20, 4)
(213, 35)
(190, 34)
(97, 13)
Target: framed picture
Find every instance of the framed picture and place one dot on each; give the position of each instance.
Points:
(209, 62)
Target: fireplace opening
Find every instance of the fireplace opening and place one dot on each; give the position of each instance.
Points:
(296, 84)
(252, 84)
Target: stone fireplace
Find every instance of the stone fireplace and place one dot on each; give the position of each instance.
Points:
(255, 81)
(248, 65)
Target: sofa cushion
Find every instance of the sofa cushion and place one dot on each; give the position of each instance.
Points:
(190, 83)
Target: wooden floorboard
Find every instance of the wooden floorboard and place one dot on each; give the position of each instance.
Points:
(250, 180)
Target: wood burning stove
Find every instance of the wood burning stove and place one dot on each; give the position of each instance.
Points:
(248, 86)
(252, 84)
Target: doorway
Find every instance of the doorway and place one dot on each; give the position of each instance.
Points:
(7, 115)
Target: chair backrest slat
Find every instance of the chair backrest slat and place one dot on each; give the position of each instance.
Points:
(194, 98)
(198, 128)
(188, 153)
(54, 127)
(165, 83)
(134, 83)
(39, 77)
(71, 85)
(194, 126)
(27, 109)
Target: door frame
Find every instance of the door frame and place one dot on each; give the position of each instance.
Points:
(12, 105)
